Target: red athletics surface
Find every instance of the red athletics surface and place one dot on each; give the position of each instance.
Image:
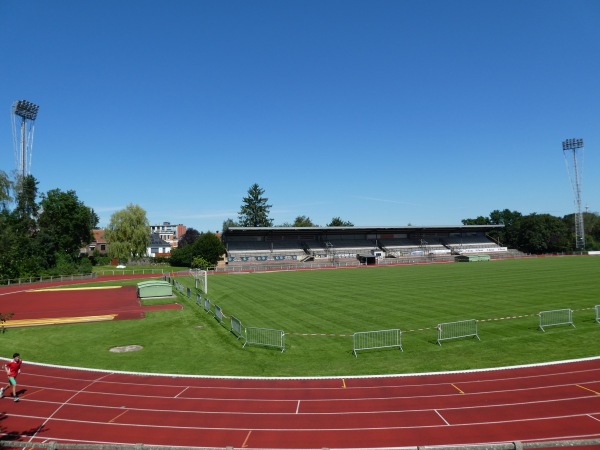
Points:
(552, 402)
(33, 302)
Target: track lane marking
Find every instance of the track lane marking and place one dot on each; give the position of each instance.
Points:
(73, 289)
(245, 444)
(117, 416)
(454, 386)
(441, 417)
(587, 389)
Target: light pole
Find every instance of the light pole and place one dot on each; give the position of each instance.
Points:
(575, 146)
(27, 111)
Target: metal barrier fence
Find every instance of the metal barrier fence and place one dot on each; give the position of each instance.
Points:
(218, 314)
(48, 279)
(457, 330)
(267, 337)
(206, 305)
(369, 340)
(556, 317)
(516, 445)
(236, 327)
(598, 313)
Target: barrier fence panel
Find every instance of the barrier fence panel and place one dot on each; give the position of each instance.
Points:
(556, 317)
(207, 305)
(265, 336)
(598, 313)
(218, 313)
(199, 300)
(369, 340)
(457, 330)
(236, 327)
(189, 293)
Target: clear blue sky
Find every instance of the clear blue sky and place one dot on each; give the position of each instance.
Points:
(382, 113)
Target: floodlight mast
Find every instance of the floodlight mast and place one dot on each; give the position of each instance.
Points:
(27, 111)
(575, 146)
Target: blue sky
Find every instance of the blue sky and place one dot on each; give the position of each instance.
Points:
(382, 113)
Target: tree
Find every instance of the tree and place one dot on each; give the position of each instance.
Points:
(65, 223)
(181, 256)
(228, 224)
(542, 233)
(128, 233)
(507, 236)
(337, 222)
(303, 221)
(5, 189)
(207, 247)
(188, 238)
(254, 212)
(478, 221)
(26, 210)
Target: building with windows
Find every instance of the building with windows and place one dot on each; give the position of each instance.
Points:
(158, 247)
(168, 232)
(98, 245)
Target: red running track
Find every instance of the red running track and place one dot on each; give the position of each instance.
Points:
(33, 302)
(535, 403)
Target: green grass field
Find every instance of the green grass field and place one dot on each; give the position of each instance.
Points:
(319, 311)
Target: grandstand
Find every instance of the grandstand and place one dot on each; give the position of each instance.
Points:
(301, 244)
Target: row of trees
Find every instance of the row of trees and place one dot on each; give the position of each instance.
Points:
(540, 233)
(42, 237)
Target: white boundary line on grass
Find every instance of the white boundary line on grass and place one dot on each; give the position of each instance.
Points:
(402, 375)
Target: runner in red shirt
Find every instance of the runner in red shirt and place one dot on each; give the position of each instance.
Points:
(12, 368)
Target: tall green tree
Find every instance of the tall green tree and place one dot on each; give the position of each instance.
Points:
(542, 233)
(188, 238)
(27, 209)
(338, 222)
(128, 233)
(480, 220)
(5, 190)
(228, 224)
(65, 223)
(207, 246)
(506, 236)
(254, 212)
(303, 221)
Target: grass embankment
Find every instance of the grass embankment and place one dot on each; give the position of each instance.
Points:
(319, 311)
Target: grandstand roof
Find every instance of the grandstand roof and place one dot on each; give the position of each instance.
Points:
(256, 231)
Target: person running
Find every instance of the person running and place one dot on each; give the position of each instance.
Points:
(12, 368)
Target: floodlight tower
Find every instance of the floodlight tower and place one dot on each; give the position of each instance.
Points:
(574, 165)
(23, 134)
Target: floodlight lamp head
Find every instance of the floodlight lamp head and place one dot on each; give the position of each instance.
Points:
(25, 109)
(572, 144)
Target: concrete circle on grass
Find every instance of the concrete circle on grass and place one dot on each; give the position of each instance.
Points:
(126, 348)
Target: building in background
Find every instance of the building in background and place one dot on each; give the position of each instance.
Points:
(98, 244)
(169, 233)
(158, 247)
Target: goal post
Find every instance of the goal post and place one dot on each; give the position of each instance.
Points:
(200, 279)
